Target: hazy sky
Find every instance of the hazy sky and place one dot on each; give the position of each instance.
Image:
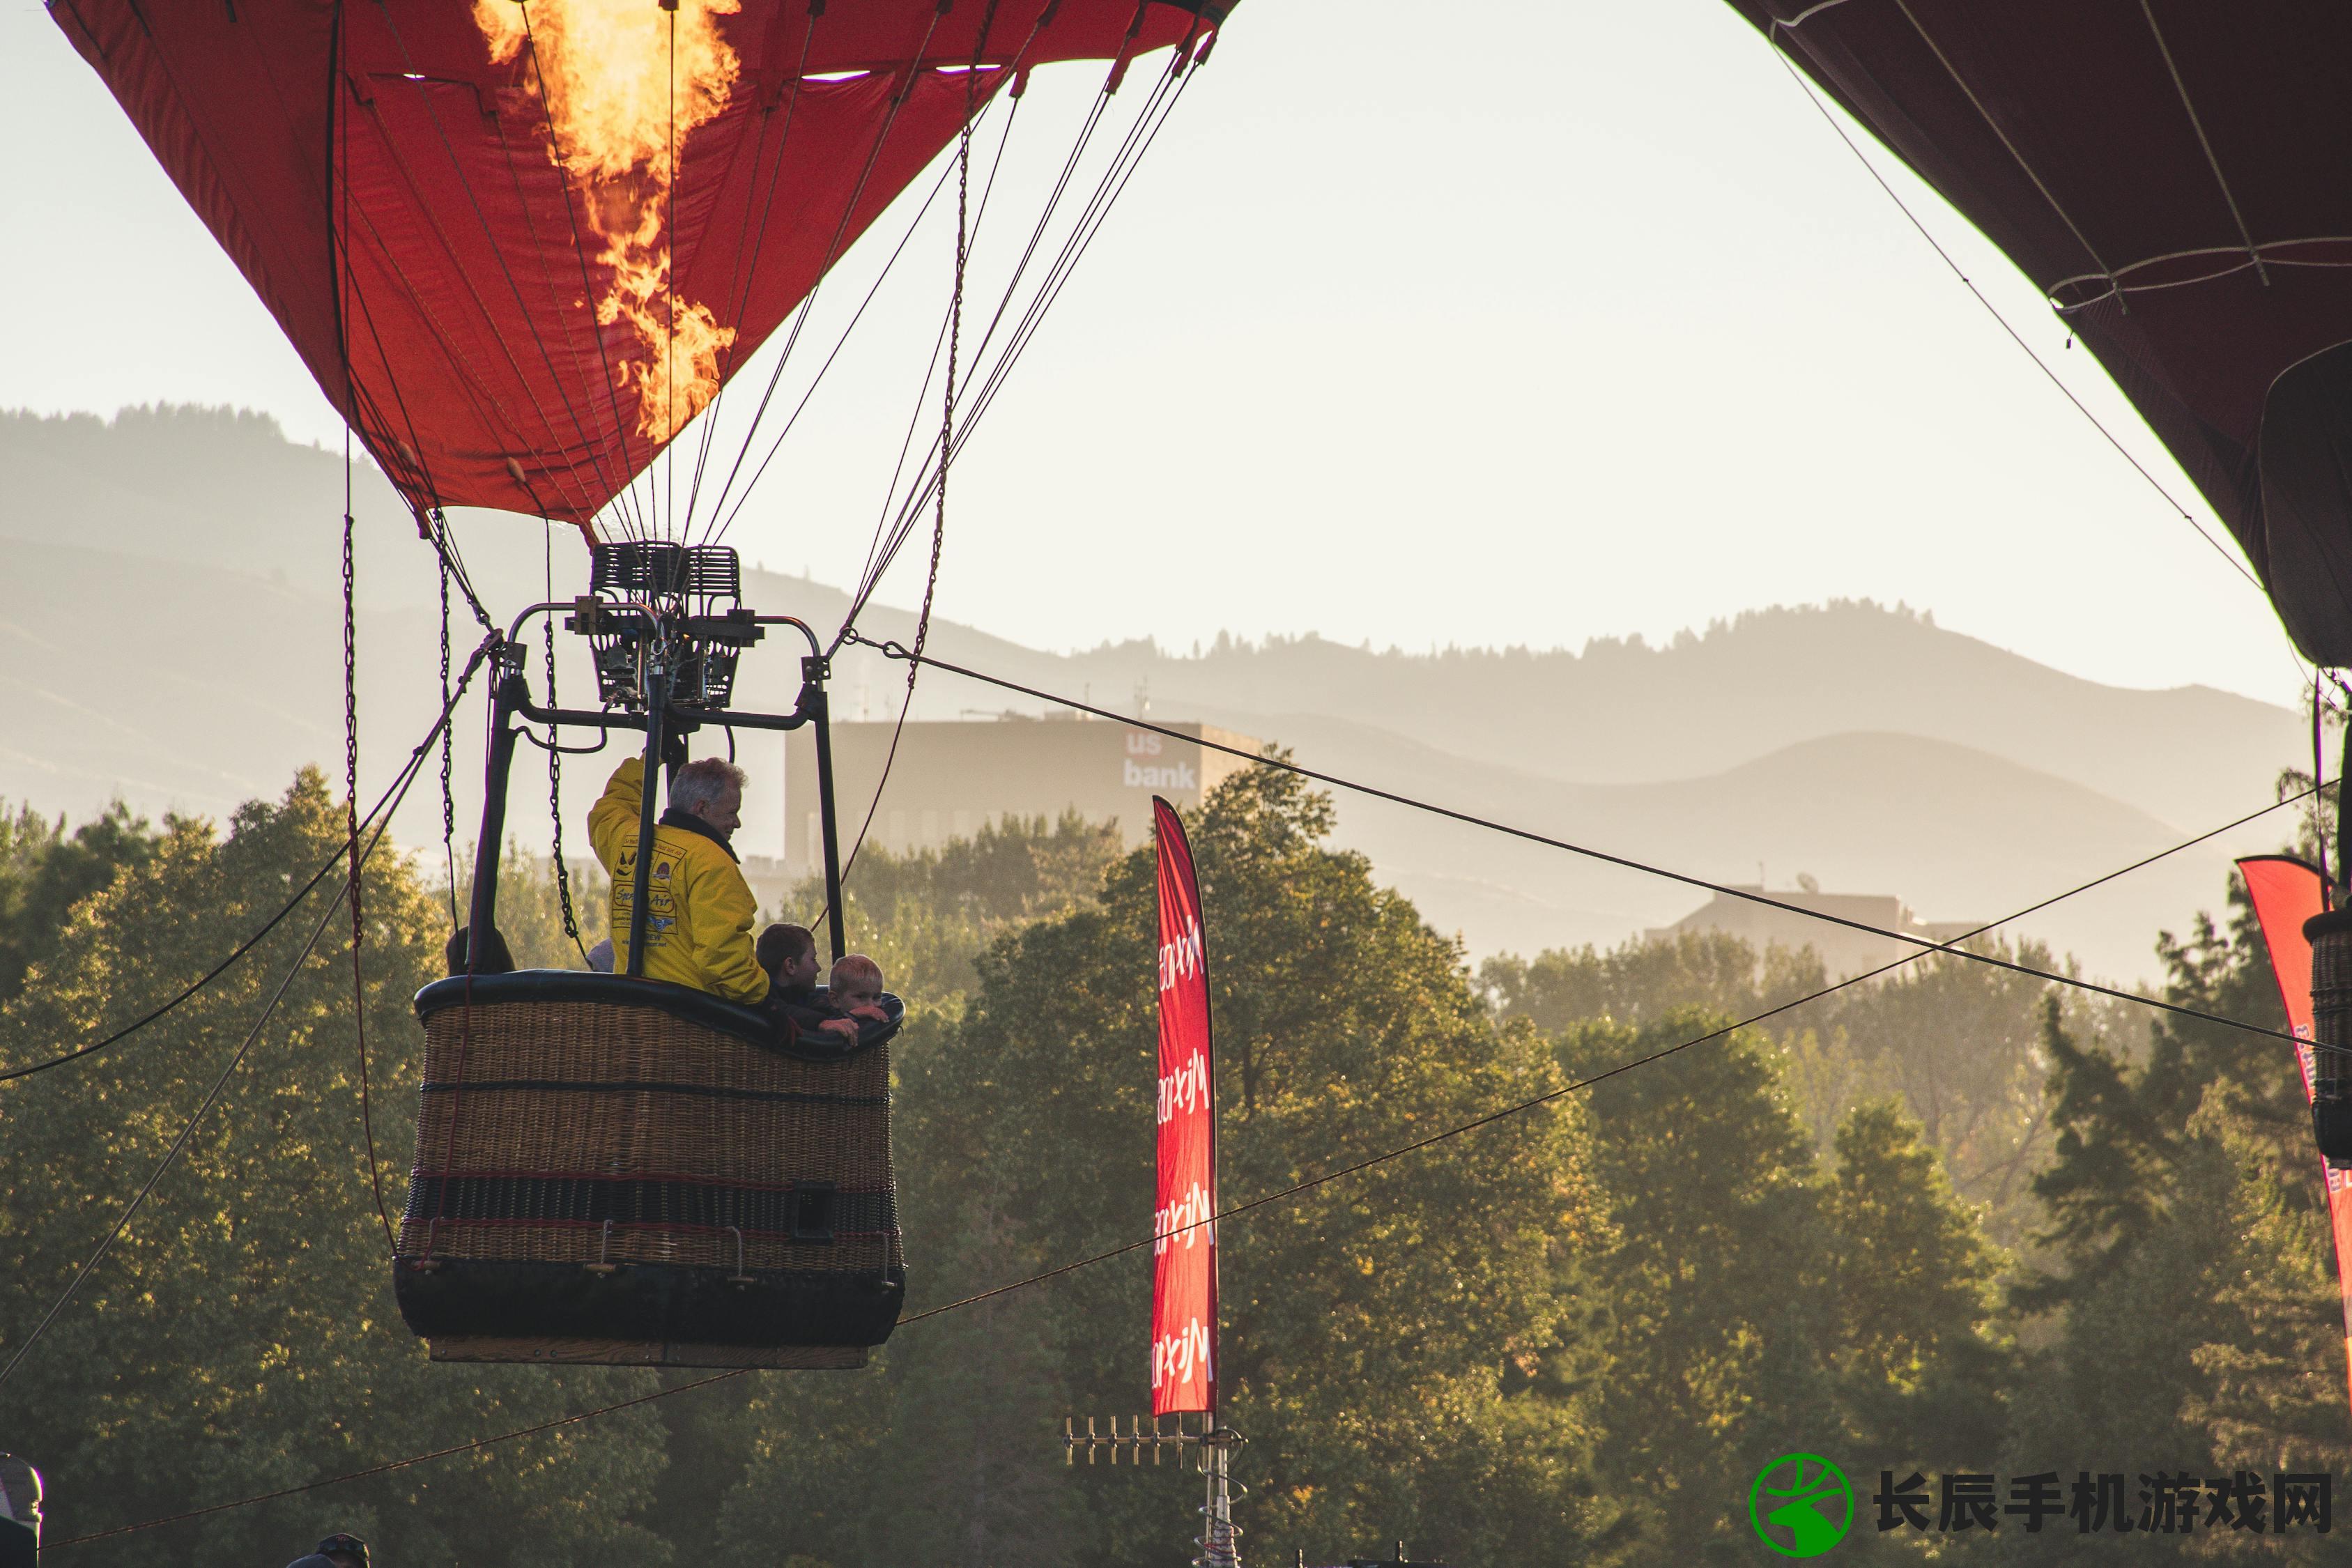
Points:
(1514, 321)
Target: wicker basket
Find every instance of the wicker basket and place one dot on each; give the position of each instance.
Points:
(619, 1172)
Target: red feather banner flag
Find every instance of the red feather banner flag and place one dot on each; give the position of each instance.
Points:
(1185, 1244)
(2286, 892)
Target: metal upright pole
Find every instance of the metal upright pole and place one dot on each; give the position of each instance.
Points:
(819, 710)
(656, 701)
(483, 916)
(1218, 1547)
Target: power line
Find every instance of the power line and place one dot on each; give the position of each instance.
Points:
(1296, 1189)
(1584, 1083)
(895, 651)
(249, 944)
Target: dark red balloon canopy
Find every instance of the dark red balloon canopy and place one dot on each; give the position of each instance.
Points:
(389, 190)
(2177, 177)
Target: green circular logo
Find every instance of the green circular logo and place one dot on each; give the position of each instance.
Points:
(1800, 1505)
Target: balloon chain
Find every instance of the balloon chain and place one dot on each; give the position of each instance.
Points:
(555, 758)
(955, 336)
(351, 842)
(449, 802)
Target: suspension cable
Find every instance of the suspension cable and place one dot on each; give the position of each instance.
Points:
(947, 438)
(832, 252)
(1112, 183)
(809, 392)
(449, 755)
(758, 235)
(1958, 272)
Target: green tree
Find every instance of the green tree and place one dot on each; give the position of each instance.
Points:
(1956, 1040)
(1749, 1303)
(1924, 1366)
(241, 1335)
(1713, 1356)
(1641, 981)
(1381, 1333)
(2185, 1309)
(926, 915)
(44, 871)
(1961, 1045)
(2270, 1396)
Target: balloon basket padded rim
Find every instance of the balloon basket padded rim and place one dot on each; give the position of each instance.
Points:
(644, 1352)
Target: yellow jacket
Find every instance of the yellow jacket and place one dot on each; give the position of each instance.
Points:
(698, 930)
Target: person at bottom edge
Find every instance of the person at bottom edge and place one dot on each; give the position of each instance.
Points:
(338, 1551)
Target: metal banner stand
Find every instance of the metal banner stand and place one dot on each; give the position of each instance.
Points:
(1219, 1539)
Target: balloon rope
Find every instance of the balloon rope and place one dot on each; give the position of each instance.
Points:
(832, 252)
(556, 755)
(1937, 245)
(744, 271)
(1139, 138)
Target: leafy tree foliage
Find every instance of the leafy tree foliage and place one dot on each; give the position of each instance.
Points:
(2188, 1227)
(926, 915)
(1921, 1353)
(1957, 1042)
(1948, 1220)
(1640, 981)
(241, 1336)
(44, 871)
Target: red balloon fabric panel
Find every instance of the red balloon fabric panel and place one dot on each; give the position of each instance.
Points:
(520, 257)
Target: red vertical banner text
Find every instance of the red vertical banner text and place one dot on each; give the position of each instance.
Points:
(1185, 1244)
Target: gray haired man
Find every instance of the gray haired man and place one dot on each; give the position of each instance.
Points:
(699, 908)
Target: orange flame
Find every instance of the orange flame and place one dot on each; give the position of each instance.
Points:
(619, 113)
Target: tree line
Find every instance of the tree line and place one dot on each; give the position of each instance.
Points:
(1953, 1220)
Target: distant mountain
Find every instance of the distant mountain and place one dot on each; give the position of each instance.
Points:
(1957, 833)
(1623, 711)
(171, 620)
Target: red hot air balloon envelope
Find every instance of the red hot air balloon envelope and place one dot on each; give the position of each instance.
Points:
(2177, 177)
(1184, 1251)
(401, 197)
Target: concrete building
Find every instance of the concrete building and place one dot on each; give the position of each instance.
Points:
(1843, 950)
(950, 776)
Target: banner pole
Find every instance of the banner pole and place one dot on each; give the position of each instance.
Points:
(1218, 1550)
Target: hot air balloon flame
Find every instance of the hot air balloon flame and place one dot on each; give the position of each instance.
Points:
(620, 105)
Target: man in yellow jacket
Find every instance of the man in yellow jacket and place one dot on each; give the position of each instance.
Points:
(699, 908)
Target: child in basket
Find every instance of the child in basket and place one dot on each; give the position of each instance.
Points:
(856, 993)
